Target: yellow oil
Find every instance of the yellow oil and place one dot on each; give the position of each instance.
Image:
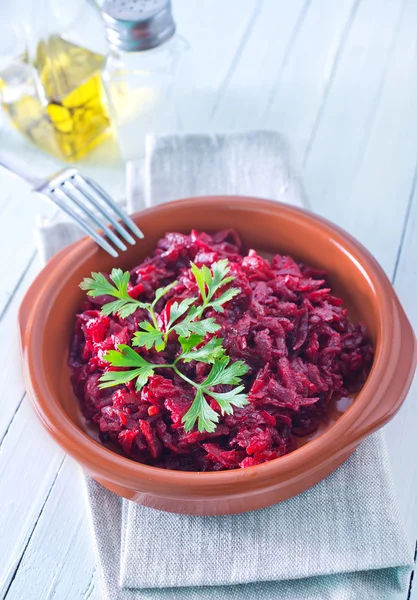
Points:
(57, 100)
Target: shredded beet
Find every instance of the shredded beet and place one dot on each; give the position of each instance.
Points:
(302, 349)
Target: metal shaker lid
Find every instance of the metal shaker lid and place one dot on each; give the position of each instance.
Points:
(135, 25)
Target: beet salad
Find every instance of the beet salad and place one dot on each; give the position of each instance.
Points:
(205, 358)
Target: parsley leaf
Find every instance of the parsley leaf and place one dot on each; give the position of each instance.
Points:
(221, 373)
(162, 291)
(199, 277)
(209, 282)
(206, 354)
(144, 375)
(148, 337)
(217, 303)
(125, 356)
(202, 413)
(220, 270)
(190, 342)
(188, 326)
(178, 309)
(112, 378)
(224, 373)
(123, 308)
(124, 305)
(226, 400)
(98, 285)
(120, 280)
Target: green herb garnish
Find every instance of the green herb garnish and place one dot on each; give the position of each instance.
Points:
(187, 321)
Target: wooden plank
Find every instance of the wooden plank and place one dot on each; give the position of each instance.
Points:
(288, 59)
(16, 192)
(294, 103)
(17, 247)
(93, 591)
(400, 432)
(11, 381)
(59, 560)
(216, 31)
(338, 144)
(239, 106)
(29, 462)
(412, 588)
(376, 196)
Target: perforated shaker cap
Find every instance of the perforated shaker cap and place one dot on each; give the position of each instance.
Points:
(134, 25)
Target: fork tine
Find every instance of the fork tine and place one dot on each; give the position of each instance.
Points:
(54, 197)
(121, 214)
(79, 184)
(99, 222)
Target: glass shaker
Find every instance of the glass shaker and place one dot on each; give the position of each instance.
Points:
(145, 72)
(50, 75)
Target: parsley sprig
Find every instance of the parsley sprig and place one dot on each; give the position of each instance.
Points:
(186, 319)
(98, 285)
(222, 372)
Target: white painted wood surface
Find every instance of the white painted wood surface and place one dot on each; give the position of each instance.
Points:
(339, 79)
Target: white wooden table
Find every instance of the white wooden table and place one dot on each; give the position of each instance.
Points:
(339, 79)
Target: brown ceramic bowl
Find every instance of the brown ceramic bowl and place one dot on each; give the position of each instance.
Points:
(47, 318)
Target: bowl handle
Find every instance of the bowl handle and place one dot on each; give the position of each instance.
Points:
(399, 374)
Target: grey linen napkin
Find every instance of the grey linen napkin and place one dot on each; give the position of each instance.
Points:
(251, 164)
(341, 540)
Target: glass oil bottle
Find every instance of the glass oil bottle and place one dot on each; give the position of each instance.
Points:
(51, 87)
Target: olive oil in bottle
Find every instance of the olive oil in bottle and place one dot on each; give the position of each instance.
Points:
(56, 99)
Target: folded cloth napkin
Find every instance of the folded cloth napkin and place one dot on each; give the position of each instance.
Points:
(341, 540)
(251, 164)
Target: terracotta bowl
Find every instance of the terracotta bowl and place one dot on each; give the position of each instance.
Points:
(47, 317)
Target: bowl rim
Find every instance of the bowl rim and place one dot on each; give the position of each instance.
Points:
(341, 435)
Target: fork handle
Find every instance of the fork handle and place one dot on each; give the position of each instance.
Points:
(13, 168)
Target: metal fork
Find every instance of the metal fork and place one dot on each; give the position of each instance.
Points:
(69, 188)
